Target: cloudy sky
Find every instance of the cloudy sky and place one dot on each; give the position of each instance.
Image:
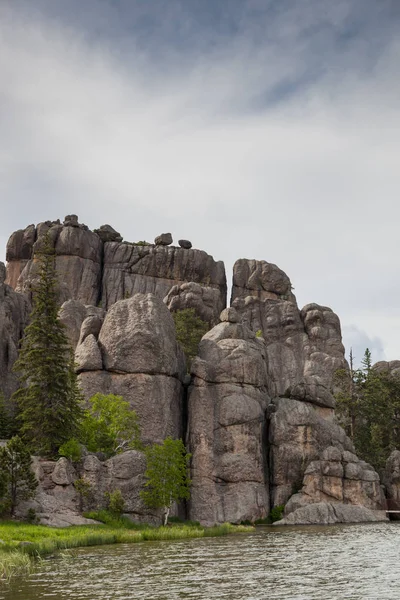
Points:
(263, 129)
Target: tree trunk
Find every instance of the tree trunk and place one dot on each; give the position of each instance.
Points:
(166, 515)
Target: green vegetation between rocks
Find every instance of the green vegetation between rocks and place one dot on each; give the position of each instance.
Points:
(189, 331)
(368, 408)
(167, 479)
(21, 541)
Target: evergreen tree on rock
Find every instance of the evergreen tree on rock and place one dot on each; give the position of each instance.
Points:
(49, 399)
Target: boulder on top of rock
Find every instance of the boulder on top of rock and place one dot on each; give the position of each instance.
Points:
(108, 234)
(205, 300)
(164, 239)
(229, 315)
(185, 244)
(71, 221)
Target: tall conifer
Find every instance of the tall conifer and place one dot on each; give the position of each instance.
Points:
(49, 397)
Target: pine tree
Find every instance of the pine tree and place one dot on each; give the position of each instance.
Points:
(49, 397)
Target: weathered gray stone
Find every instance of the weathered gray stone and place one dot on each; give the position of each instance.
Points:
(130, 269)
(299, 432)
(325, 513)
(64, 473)
(88, 356)
(227, 427)
(205, 300)
(72, 314)
(185, 244)
(108, 234)
(138, 336)
(14, 313)
(260, 279)
(157, 399)
(164, 239)
(78, 259)
(230, 315)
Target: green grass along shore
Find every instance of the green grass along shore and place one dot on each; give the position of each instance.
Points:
(22, 543)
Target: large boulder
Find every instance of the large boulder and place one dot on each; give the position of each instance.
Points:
(205, 300)
(227, 427)
(327, 513)
(135, 355)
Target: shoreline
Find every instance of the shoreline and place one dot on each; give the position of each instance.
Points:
(22, 543)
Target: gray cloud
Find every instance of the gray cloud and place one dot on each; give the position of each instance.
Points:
(269, 132)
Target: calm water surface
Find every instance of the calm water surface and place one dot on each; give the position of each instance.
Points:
(337, 562)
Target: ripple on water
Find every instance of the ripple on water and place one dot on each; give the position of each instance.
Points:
(358, 562)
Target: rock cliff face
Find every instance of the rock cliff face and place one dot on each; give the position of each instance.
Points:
(98, 268)
(14, 312)
(304, 347)
(133, 353)
(260, 415)
(227, 425)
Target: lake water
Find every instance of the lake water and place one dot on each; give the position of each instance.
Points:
(301, 563)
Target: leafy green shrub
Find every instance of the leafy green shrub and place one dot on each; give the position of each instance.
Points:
(71, 450)
(110, 425)
(259, 333)
(166, 475)
(84, 490)
(189, 331)
(115, 502)
(276, 513)
(17, 480)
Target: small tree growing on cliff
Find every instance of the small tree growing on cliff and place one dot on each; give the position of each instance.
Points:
(49, 397)
(110, 425)
(18, 480)
(189, 331)
(167, 475)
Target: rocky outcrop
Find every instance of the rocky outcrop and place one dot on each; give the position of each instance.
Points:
(78, 258)
(58, 503)
(260, 279)
(304, 348)
(206, 301)
(135, 355)
(97, 268)
(299, 432)
(227, 426)
(131, 269)
(391, 479)
(327, 513)
(339, 476)
(14, 312)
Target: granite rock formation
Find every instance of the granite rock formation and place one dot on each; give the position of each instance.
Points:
(227, 426)
(78, 258)
(97, 268)
(339, 476)
(130, 268)
(14, 312)
(58, 504)
(328, 513)
(134, 354)
(206, 301)
(304, 347)
(391, 479)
